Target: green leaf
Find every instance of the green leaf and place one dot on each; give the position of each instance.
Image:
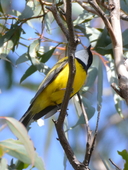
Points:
(16, 36)
(28, 72)
(23, 58)
(45, 57)
(13, 35)
(9, 73)
(32, 51)
(20, 132)
(21, 165)
(124, 155)
(6, 37)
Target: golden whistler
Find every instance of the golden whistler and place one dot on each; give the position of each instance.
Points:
(52, 89)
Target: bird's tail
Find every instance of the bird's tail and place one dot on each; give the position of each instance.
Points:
(27, 118)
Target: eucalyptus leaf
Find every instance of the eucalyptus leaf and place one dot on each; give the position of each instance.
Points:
(28, 72)
(23, 58)
(3, 164)
(27, 12)
(45, 57)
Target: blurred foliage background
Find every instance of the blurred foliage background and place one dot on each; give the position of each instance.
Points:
(31, 42)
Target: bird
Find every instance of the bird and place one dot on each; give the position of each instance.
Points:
(50, 93)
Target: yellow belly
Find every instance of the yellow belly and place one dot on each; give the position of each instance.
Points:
(53, 94)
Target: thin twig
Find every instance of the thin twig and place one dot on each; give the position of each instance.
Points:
(114, 164)
(96, 132)
(88, 144)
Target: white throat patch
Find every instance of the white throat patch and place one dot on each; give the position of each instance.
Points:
(83, 56)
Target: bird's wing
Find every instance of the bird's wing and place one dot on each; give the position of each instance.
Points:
(51, 76)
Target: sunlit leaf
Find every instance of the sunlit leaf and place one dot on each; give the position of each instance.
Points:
(17, 150)
(124, 155)
(3, 164)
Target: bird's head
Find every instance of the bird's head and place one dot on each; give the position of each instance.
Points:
(85, 56)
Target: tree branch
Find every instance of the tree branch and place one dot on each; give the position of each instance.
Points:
(58, 19)
(73, 41)
(114, 164)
